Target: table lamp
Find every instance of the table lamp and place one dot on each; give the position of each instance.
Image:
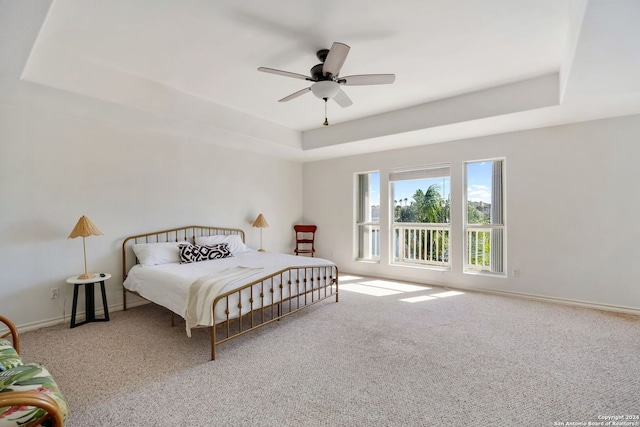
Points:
(84, 228)
(261, 223)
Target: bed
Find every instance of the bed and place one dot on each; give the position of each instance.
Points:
(208, 276)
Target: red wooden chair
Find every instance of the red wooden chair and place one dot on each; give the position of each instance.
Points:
(305, 236)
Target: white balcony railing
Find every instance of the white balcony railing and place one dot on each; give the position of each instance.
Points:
(423, 244)
(479, 248)
(428, 244)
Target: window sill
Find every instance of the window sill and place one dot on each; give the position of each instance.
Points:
(368, 261)
(484, 273)
(420, 266)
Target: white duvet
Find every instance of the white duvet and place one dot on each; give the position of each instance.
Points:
(168, 284)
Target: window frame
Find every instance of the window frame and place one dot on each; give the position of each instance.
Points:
(413, 230)
(361, 221)
(501, 227)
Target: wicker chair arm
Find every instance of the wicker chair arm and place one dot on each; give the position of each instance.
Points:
(12, 331)
(37, 399)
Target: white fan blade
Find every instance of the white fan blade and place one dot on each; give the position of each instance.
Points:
(343, 99)
(367, 79)
(335, 59)
(295, 94)
(285, 73)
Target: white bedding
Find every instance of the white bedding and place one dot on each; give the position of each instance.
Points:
(168, 284)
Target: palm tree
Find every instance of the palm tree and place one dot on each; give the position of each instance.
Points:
(429, 207)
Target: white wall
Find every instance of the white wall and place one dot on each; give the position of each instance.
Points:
(572, 227)
(55, 168)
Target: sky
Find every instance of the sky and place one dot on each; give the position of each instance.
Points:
(479, 182)
(479, 185)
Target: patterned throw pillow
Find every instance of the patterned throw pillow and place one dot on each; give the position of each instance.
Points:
(195, 253)
(8, 356)
(31, 377)
(19, 374)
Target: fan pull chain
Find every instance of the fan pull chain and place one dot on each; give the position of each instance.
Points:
(326, 122)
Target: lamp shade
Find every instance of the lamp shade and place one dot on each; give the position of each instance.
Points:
(84, 228)
(260, 222)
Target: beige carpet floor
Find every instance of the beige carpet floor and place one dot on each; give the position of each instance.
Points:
(388, 354)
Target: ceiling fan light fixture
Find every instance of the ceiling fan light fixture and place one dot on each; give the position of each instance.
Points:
(327, 84)
(325, 89)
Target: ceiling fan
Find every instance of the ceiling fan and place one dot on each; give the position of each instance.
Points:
(326, 77)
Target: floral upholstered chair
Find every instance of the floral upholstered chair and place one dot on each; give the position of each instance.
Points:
(28, 394)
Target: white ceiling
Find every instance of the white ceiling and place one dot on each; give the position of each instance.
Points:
(193, 63)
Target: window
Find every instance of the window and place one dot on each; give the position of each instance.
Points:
(484, 216)
(420, 199)
(368, 215)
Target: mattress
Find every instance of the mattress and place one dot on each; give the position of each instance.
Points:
(168, 284)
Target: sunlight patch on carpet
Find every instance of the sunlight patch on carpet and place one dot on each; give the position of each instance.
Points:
(348, 277)
(447, 294)
(369, 290)
(418, 299)
(402, 287)
(432, 296)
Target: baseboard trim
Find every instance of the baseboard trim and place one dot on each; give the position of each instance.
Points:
(80, 315)
(564, 301)
(523, 295)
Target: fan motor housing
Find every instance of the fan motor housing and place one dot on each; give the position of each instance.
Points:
(317, 74)
(322, 54)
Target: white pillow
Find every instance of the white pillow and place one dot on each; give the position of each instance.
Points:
(236, 245)
(157, 253)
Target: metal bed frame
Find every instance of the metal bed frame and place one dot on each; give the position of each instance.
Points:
(306, 285)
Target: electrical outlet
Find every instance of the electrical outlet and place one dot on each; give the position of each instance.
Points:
(516, 272)
(54, 293)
